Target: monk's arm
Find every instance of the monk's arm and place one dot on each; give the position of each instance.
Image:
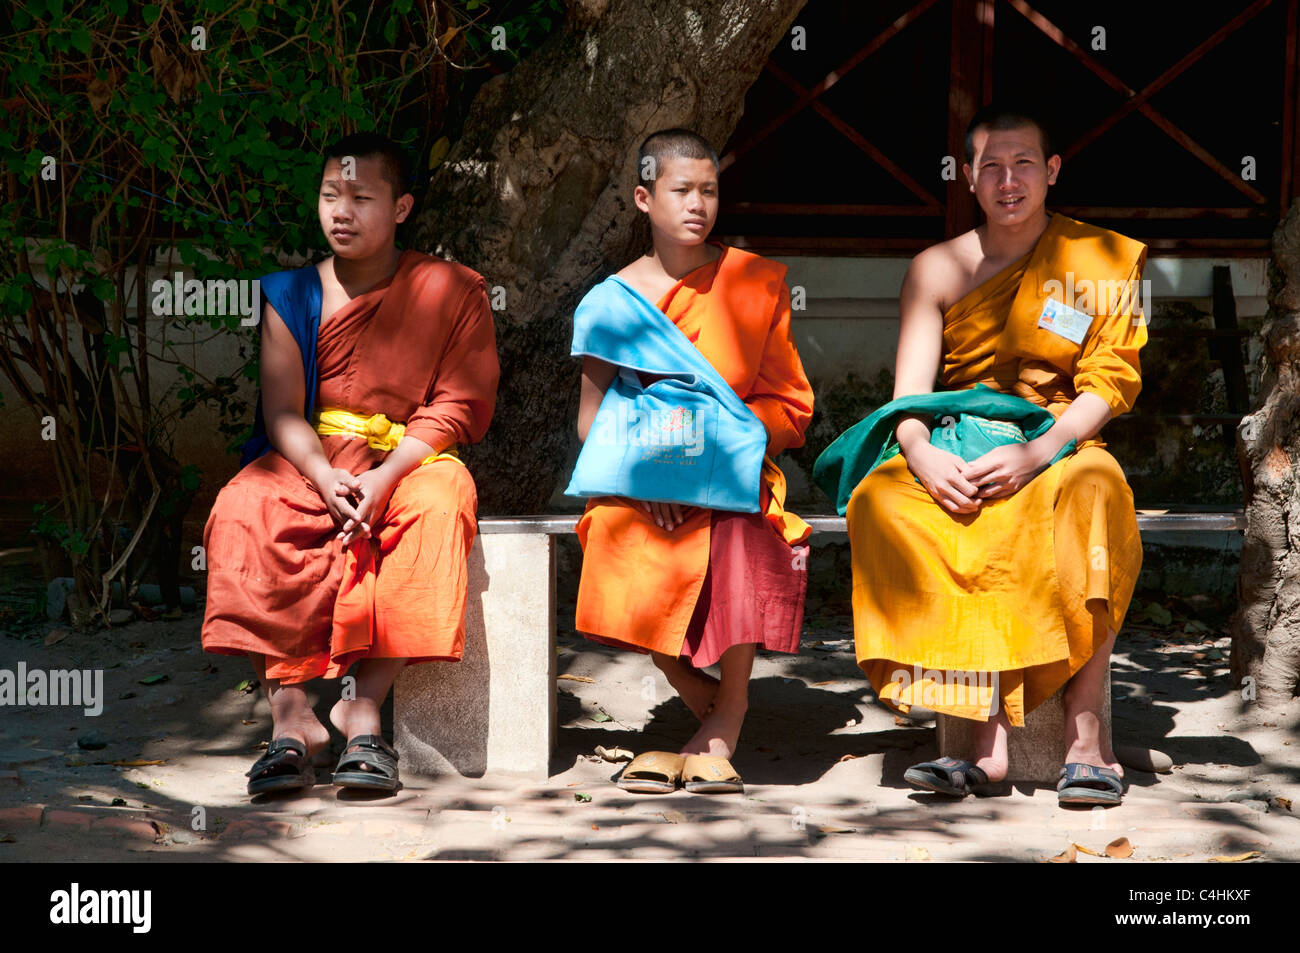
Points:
(283, 398)
(920, 346)
(781, 396)
(596, 378)
(463, 396)
(920, 349)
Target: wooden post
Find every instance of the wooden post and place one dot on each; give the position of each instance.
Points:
(969, 86)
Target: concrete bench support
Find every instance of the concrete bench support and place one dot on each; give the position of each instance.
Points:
(1035, 752)
(493, 711)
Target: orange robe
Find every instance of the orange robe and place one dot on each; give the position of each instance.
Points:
(640, 583)
(421, 350)
(1027, 587)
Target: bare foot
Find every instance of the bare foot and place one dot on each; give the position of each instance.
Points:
(991, 746)
(292, 717)
(720, 731)
(359, 716)
(1094, 755)
(696, 687)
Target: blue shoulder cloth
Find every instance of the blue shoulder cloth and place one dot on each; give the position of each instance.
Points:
(685, 439)
(296, 297)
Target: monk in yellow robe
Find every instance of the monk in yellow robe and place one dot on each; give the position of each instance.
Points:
(982, 587)
(345, 541)
(690, 585)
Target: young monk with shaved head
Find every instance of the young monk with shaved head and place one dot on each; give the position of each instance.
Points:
(342, 543)
(984, 581)
(693, 585)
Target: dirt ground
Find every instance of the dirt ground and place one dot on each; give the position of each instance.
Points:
(822, 763)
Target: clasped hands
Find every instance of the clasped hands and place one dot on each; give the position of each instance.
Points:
(962, 487)
(355, 501)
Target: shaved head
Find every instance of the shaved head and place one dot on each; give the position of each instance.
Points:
(667, 144)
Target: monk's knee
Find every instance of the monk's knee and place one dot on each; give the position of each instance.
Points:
(1092, 470)
(872, 501)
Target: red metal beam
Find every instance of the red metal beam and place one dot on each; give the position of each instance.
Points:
(1056, 35)
(1167, 77)
(829, 80)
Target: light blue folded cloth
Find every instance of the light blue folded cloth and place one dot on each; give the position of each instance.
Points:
(684, 439)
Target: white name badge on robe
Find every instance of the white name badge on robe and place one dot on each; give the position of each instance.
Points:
(1061, 319)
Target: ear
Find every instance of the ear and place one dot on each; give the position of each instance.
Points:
(642, 198)
(405, 203)
(967, 171)
(1053, 169)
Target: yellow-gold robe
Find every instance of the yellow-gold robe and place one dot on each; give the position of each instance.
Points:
(1010, 601)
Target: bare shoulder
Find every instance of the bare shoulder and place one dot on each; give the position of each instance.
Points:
(646, 278)
(940, 273)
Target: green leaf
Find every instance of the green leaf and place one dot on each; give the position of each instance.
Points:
(154, 679)
(581, 798)
(150, 13)
(600, 716)
(81, 39)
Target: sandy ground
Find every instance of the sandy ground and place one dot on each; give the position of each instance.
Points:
(821, 761)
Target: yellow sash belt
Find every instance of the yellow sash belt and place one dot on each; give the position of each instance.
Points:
(380, 432)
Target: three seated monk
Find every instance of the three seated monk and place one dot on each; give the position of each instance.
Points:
(696, 585)
(343, 540)
(982, 586)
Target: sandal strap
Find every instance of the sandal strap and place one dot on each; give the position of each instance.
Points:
(381, 755)
(373, 741)
(1077, 774)
(280, 751)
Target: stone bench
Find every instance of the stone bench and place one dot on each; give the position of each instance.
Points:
(494, 711)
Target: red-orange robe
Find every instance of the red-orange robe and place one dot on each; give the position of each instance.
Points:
(640, 583)
(420, 349)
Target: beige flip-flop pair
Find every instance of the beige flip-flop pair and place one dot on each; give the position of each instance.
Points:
(658, 772)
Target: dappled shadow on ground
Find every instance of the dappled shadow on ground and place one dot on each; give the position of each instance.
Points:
(823, 766)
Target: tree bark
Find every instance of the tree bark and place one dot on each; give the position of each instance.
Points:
(537, 195)
(1266, 626)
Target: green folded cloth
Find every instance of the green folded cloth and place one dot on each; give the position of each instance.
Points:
(968, 423)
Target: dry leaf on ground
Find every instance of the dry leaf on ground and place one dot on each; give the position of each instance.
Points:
(1119, 849)
(1236, 858)
(832, 829)
(1067, 856)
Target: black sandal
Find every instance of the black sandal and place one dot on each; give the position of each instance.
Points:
(954, 778)
(378, 755)
(284, 767)
(1081, 783)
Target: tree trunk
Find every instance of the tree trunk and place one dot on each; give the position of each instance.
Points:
(537, 195)
(1266, 626)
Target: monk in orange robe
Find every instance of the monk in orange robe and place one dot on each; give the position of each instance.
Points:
(695, 586)
(982, 587)
(346, 541)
